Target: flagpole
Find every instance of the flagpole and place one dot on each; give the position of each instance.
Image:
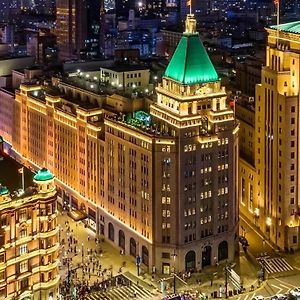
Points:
(190, 7)
(278, 20)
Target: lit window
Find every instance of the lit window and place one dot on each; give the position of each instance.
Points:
(23, 249)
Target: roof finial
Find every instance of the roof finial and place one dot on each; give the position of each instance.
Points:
(190, 24)
(189, 3)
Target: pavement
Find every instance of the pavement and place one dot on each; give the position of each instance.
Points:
(208, 281)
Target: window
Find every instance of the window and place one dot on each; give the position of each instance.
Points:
(23, 266)
(24, 283)
(22, 215)
(292, 201)
(23, 233)
(292, 120)
(294, 239)
(292, 143)
(292, 154)
(23, 249)
(292, 109)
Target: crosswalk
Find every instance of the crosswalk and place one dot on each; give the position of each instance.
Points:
(275, 264)
(122, 293)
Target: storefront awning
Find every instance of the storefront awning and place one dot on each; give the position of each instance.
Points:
(77, 215)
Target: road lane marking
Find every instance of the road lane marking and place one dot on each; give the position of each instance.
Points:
(246, 297)
(277, 287)
(281, 281)
(284, 286)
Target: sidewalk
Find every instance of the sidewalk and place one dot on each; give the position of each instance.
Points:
(111, 260)
(95, 255)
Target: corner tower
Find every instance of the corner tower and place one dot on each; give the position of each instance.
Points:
(195, 194)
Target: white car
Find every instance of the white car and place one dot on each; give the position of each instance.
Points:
(295, 292)
(258, 297)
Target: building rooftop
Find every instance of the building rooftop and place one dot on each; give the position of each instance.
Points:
(126, 67)
(190, 63)
(292, 27)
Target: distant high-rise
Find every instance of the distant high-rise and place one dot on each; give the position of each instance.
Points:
(77, 28)
(269, 187)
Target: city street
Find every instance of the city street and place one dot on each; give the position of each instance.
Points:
(88, 258)
(273, 286)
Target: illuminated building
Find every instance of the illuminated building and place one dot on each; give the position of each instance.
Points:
(29, 241)
(272, 205)
(126, 76)
(77, 28)
(156, 177)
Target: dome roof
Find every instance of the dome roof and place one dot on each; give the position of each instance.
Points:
(3, 190)
(43, 175)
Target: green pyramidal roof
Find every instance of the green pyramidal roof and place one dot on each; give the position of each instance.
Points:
(190, 63)
(293, 27)
(43, 175)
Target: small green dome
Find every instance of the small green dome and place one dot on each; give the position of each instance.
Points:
(3, 190)
(43, 175)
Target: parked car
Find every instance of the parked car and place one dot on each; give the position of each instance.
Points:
(279, 297)
(295, 292)
(258, 297)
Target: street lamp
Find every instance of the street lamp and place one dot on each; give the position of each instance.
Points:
(82, 254)
(174, 274)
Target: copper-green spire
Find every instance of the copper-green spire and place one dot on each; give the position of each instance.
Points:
(190, 63)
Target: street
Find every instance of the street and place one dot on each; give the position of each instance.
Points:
(274, 286)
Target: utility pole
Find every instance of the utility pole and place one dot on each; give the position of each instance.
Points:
(226, 281)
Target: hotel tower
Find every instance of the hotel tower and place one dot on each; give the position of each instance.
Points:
(157, 177)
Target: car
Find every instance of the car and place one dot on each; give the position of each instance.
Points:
(243, 241)
(258, 297)
(295, 292)
(279, 297)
